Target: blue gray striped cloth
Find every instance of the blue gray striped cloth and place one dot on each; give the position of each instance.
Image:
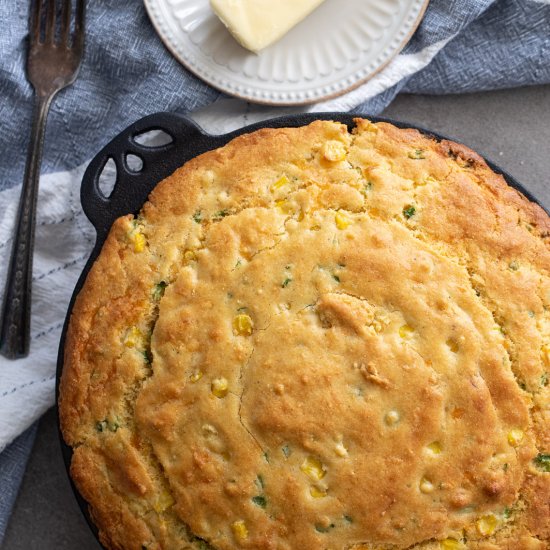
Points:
(462, 45)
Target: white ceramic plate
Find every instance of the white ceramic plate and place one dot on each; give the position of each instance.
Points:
(339, 46)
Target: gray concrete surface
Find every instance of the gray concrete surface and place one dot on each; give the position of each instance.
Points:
(511, 127)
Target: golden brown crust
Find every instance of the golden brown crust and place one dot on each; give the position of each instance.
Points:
(315, 339)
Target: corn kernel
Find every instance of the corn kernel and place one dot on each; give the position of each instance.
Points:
(195, 376)
(240, 531)
(219, 387)
(428, 180)
(453, 345)
(426, 486)
(486, 525)
(163, 502)
(515, 437)
(342, 221)
(334, 151)
(391, 418)
(189, 256)
(281, 182)
(283, 206)
(139, 242)
(450, 544)
(315, 492)
(435, 448)
(406, 331)
(313, 468)
(545, 350)
(340, 450)
(133, 338)
(243, 325)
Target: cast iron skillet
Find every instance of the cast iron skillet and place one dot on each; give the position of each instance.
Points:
(132, 188)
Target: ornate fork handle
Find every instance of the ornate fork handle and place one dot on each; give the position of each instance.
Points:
(16, 310)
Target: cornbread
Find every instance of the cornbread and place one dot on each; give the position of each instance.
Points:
(317, 339)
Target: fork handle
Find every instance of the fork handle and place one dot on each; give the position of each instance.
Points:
(16, 310)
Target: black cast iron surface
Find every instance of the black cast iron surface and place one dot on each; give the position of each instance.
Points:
(132, 188)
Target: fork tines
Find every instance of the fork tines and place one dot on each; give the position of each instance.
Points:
(47, 16)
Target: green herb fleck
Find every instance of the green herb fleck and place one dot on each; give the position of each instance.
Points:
(542, 461)
(259, 482)
(221, 214)
(505, 466)
(514, 266)
(336, 278)
(260, 501)
(417, 154)
(322, 528)
(286, 450)
(531, 313)
(106, 425)
(544, 379)
(285, 283)
(409, 211)
(239, 263)
(148, 356)
(366, 188)
(348, 519)
(100, 426)
(507, 512)
(197, 216)
(241, 309)
(158, 291)
(266, 457)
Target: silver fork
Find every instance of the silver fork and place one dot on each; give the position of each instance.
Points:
(53, 61)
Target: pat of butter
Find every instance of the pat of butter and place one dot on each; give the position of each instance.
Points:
(256, 24)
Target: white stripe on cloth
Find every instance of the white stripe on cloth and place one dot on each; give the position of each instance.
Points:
(64, 239)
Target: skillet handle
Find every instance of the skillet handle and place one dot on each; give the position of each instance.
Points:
(132, 188)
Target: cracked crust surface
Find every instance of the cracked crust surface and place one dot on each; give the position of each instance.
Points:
(311, 339)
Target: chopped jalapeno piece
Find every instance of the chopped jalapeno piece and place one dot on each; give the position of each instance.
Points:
(542, 461)
(260, 501)
(409, 211)
(417, 154)
(158, 291)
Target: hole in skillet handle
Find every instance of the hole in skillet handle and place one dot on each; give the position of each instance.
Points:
(145, 153)
(134, 163)
(153, 138)
(107, 178)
